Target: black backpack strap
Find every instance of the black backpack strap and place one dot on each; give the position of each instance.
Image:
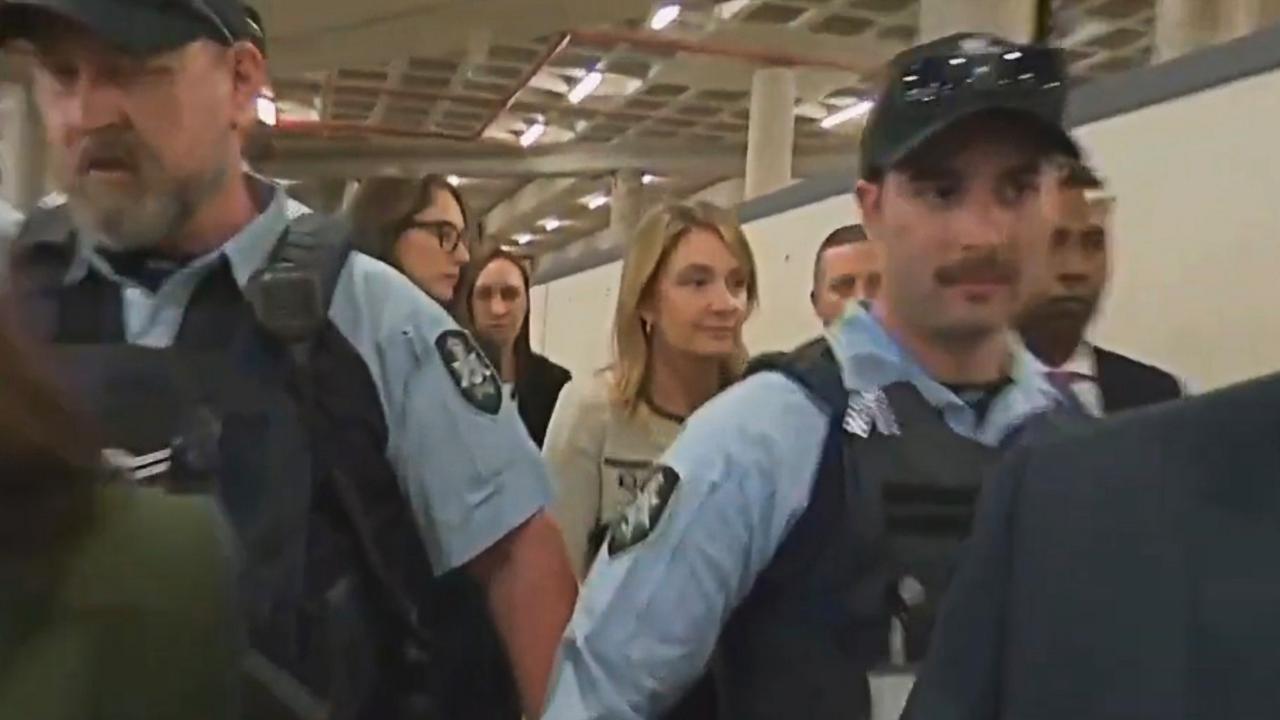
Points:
(292, 293)
(318, 243)
(813, 366)
(291, 298)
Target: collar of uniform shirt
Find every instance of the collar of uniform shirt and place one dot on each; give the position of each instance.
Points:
(871, 359)
(1083, 363)
(247, 251)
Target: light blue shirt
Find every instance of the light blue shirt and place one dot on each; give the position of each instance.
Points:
(648, 618)
(471, 477)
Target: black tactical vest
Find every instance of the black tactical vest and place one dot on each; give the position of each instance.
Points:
(879, 539)
(344, 616)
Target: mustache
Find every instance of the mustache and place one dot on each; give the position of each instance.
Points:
(995, 268)
(114, 149)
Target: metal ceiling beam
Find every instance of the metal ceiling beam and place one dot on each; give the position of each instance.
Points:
(337, 159)
(534, 202)
(604, 247)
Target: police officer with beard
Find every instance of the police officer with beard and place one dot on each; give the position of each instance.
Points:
(356, 437)
(801, 530)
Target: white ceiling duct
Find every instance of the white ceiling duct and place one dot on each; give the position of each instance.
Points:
(812, 110)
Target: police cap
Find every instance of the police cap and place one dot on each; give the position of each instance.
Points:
(934, 85)
(139, 27)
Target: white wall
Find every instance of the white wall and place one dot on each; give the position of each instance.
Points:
(784, 246)
(576, 318)
(1196, 245)
(1197, 234)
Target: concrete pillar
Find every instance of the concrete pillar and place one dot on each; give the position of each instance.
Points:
(771, 133)
(1183, 26)
(625, 205)
(1011, 19)
(1243, 17)
(22, 148)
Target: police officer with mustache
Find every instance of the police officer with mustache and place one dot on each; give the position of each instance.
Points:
(796, 539)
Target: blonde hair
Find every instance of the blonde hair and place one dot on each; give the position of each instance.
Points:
(655, 238)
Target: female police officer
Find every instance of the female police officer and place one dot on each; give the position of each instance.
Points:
(739, 558)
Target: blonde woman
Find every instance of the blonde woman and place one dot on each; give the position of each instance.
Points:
(688, 285)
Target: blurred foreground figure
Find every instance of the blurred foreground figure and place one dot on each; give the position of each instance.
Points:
(115, 601)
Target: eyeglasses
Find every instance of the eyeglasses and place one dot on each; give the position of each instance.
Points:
(448, 234)
(1022, 69)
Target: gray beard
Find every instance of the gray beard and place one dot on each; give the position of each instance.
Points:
(146, 220)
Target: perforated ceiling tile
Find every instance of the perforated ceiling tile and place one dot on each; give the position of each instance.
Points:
(498, 72)
(1120, 9)
(699, 111)
(722, 96)
(431, 66)
(665, 90)
(481, 86)
(1118, 38)
(905, 34)
(885, 6)
(425, 82)
(513, 54)
(775, 14)
(362, 75)
(842, 25)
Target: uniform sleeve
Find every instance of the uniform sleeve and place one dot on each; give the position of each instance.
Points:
(960, 679)
(573, 448)
(649, 615)
(473, 475)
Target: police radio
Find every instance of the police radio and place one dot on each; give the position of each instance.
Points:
(287, 300)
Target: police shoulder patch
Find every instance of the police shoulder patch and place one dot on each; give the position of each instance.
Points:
(640, 518)
(470, 370)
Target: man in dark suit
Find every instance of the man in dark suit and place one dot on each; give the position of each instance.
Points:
(1054, 327)
(1124, 570)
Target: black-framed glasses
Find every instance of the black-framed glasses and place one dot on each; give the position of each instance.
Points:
(1025, 68)
(448, 234)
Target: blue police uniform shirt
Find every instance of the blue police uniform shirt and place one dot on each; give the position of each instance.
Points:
(470, 476)
(648, 617)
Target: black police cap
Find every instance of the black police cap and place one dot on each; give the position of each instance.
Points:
(140, 27)
(936, 84)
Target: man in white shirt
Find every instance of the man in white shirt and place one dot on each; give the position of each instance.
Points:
(1054, 326)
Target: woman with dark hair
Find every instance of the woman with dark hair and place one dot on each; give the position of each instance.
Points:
(496, 308)
(115, 602)
(420, 227)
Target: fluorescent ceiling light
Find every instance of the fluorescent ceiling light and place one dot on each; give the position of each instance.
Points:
(523, 238)
(585, 86)
(855, 110)
(550, 224)
(532, 133)
(665, 15)
(1012, 55)
(958, 60)
(649, 179)
(595, 201)
(454, 180)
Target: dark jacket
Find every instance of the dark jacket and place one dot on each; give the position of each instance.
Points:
(137, 621)
(537, 390)
(1124, 571)
(1127, 384)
